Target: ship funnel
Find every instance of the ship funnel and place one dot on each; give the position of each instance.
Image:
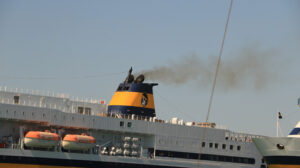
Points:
(133, 97)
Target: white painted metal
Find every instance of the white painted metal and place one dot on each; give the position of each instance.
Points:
(61, 114)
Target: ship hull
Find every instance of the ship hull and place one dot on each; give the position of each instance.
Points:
(283, 166)
(279, 152)
(36, 162)
(14, 165)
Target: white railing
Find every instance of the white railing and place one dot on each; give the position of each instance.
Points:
(51, 94)
(221, 127)
(40, 105)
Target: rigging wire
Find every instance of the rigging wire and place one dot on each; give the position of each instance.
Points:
(219, 62)
(215, 80)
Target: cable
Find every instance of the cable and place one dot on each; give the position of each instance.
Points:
(215, 80)
(219, 62)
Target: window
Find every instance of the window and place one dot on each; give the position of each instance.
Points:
(202, 156)
(216, 145)
(210, 145)
(203, 144)
(224, 146)
(238, 148)
(80, 110)
(121, 123)
(129, 124)
(87, 111)
(16, 99)
(228, 159)
(236, 160)
(231, 147)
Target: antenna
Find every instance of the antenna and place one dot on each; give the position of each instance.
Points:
(278, 115)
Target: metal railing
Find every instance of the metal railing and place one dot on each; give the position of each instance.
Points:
(51, 94)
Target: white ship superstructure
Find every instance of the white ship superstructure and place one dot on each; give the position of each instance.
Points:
(281, 152)
(90, 136)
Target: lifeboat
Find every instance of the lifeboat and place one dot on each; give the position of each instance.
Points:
(41, 139)
(78, 142)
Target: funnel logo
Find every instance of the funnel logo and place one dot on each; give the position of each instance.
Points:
(144, 100)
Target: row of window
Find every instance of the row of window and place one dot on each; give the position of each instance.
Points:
(220, 158)
(44, 116)
(224, 146)
(122, 124)
(203, 144)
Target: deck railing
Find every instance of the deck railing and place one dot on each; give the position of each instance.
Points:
(51, 94)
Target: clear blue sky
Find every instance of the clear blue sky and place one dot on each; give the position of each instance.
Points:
(70, 39)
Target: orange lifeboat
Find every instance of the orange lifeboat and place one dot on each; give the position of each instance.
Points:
(81, 142)
(41, 139)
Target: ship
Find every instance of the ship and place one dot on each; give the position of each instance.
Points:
(55, 130)
(281, 152)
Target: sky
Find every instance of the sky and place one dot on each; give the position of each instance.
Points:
(85, 48)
